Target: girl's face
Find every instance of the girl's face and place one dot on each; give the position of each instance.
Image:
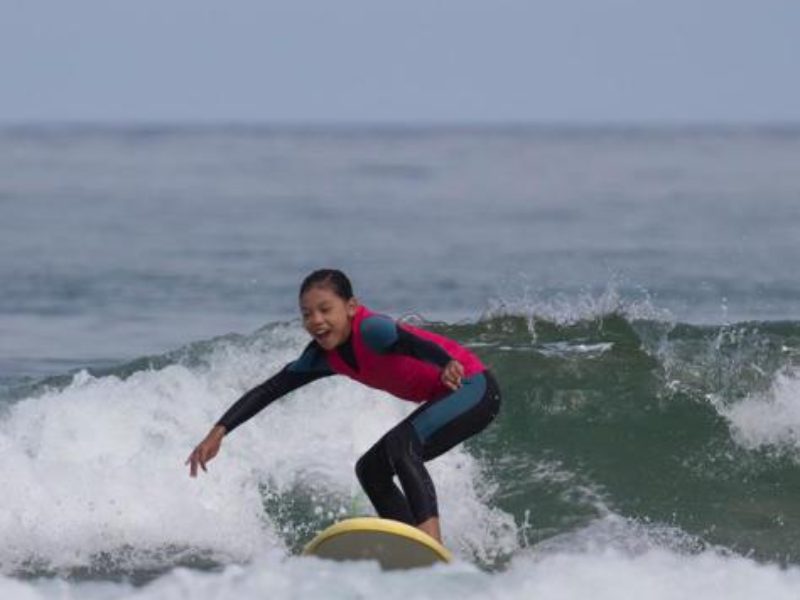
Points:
(326, 316)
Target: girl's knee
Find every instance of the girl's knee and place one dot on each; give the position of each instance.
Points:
(401, 443)
(373, 468)
(380, 463)
(363, 469)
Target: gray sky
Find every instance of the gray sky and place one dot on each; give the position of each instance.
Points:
(407, 60)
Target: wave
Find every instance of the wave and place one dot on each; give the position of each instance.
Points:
(666, 426)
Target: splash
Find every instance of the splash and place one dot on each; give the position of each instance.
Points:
(770, 418)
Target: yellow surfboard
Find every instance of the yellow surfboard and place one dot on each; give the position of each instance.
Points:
(393, 544)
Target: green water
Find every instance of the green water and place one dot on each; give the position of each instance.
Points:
(625, 409)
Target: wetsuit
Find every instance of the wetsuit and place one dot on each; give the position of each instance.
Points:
(406, 362)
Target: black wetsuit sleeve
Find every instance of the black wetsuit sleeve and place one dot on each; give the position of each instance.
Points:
(413, 345)
(309, 367)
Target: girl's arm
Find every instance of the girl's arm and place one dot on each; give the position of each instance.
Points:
(285, 381)
(413, 345)
(309, 367)
(383, 335)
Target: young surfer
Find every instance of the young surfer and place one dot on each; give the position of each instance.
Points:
(458, 396)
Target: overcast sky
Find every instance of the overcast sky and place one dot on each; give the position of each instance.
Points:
(402, 61)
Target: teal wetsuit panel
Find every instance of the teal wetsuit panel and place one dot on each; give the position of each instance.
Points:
(312, 360)
(443, 411)
(379, 333)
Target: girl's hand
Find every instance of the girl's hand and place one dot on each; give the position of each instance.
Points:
(205, 450)
(452, 374)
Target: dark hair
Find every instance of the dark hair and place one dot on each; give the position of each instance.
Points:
(334, 279)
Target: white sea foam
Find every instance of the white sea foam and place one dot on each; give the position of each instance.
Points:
(655, 574)
(97, 468)
(769, 418)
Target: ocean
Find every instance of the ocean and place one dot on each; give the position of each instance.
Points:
(634, 289)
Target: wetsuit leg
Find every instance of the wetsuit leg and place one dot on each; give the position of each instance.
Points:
(449, 421)
(428, 432)
(375, 471)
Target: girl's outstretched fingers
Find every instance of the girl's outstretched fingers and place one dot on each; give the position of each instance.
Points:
(205, 450)
(193, 461)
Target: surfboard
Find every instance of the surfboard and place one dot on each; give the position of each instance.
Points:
(393, 544)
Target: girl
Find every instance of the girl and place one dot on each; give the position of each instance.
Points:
(458, 396)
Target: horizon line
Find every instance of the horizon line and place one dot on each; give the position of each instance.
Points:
(321, 125)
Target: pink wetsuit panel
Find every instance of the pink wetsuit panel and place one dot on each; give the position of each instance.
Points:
(403, 376)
